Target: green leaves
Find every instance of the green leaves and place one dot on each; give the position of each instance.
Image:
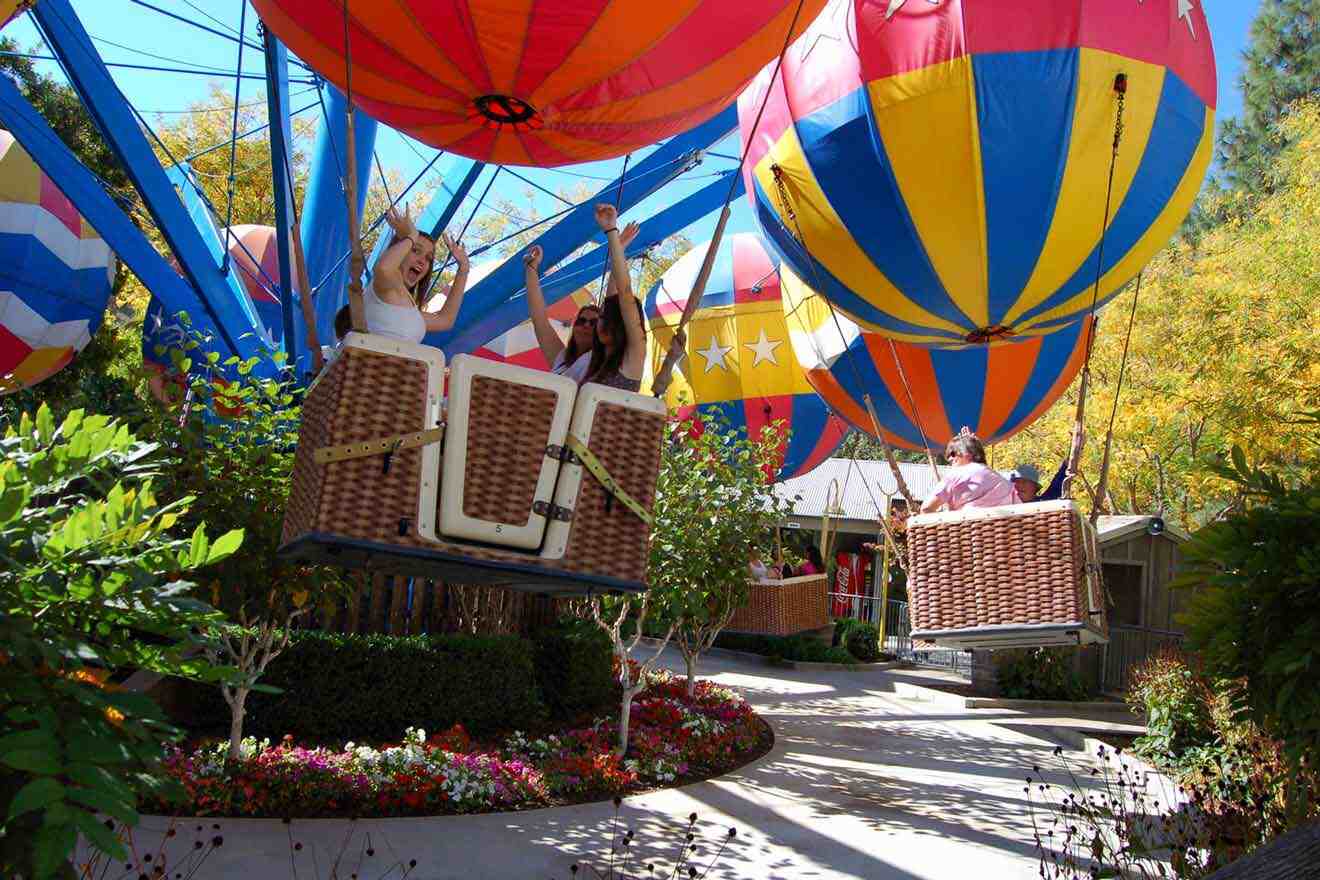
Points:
(36, 795)
(89, 568)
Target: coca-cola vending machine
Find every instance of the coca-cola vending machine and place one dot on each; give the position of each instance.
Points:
(852, 586)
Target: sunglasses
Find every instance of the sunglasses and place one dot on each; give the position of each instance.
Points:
(585, 322)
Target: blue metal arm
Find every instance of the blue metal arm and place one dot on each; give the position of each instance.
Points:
(325, 216)
(108, 107)
(277, 109)
(588, 267)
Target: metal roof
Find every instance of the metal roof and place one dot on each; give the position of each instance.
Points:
(810, 494)
(1114, 528)
(862, 484)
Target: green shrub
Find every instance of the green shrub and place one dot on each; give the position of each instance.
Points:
(1254, 609)
(1174, 702)
(91, 582)
(843, 626)
(803, 649)
(1040, 674)
(350, 687)
(574, 669)
(864, 642)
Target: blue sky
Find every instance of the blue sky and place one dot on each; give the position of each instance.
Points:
(129, 32)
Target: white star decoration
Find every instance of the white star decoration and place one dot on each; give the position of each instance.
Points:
(1185, 11)
(764, 349)
(714, 355)
(895, 5)
(1185, 8)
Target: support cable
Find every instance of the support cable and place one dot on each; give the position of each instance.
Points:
(233, 137)
(1079, 418)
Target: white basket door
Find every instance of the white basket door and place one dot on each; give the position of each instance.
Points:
(498, 481)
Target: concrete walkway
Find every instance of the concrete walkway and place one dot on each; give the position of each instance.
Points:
(860, 784)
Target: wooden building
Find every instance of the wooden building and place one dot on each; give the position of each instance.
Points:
(1140, 557)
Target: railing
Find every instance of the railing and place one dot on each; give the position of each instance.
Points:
(1128, 648)
(898, 631)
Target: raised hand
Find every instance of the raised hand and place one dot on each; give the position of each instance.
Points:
(532, 258)
(629, 233)
(401, 222)
(456, 250)
(607, 216)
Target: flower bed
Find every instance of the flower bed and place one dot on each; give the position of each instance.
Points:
(672, 738)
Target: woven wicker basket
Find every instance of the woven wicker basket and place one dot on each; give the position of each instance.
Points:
(784, 607)
(360, 513)
(1006, 577)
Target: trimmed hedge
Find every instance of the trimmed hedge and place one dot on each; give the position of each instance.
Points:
(354, 687)
(863, 642)
(574, 668)
(807, 649)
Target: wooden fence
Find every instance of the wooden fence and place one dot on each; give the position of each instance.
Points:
(407, 606)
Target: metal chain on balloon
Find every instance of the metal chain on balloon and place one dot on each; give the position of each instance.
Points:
(786, 209)
(1102, 483)
(1079, 418)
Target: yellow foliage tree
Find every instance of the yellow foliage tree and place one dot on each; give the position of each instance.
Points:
(1225, 350)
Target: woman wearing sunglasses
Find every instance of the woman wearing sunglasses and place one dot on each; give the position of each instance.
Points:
(968, 481)
(571, 358)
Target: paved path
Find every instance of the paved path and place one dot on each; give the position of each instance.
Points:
(859, 784)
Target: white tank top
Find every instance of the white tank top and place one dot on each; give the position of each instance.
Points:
(397, 322)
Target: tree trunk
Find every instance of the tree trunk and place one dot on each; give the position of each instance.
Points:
(237, 712)
(625, 710)
(690, 658)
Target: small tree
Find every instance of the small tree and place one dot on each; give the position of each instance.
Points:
(90, 584)
(611, 613)
(715, 502)
(235, 444)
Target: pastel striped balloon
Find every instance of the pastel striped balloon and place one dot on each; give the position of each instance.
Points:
(946, 165)
(539, 82)
(922, 392)
(56, 273)
(738, 363)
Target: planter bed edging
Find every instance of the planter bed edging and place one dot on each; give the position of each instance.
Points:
(917, 693)
(794, 664)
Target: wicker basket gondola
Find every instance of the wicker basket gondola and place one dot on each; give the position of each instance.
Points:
(381, 511)
(1000, 577)
(784, 607)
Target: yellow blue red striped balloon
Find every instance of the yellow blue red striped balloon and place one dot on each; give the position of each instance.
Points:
(923, 395)
(939, 170)
(55, 273)
(738, 362)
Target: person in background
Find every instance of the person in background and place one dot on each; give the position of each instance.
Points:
(760, 574)
(814, 564)
(1026, 482)
(969, 482)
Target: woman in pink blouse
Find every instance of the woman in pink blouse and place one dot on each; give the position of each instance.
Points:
(969, 482)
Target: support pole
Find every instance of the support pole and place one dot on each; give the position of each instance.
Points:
(665, 374)
(277, 106)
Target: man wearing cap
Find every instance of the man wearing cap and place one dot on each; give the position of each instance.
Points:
(1026, 481)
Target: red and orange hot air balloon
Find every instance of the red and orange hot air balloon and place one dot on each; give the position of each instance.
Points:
(539, 82)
